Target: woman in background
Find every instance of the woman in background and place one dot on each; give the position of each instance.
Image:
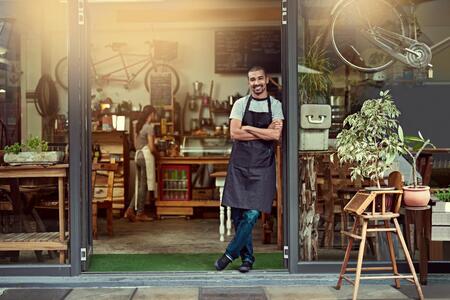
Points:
(144, 141)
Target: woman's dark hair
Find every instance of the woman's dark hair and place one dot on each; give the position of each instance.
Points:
(146, 111)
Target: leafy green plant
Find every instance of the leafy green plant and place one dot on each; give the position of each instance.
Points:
(371, 138)
(414, 145)
(443, 195)
(14, 148)
(35, 144)
(316, 85)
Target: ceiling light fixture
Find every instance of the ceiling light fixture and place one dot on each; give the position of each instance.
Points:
(5, 34)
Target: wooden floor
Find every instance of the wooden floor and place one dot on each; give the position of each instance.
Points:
(171, 235)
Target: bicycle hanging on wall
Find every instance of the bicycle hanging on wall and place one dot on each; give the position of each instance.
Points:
(122, 73)
(369, 35)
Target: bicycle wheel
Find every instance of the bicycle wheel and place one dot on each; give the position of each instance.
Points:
(62, 73)
(352, 22)
(163, 68)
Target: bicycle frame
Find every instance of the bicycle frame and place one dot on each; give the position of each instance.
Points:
(129, 77)
(143, 61)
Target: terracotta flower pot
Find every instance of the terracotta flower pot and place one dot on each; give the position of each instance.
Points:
(416, 196)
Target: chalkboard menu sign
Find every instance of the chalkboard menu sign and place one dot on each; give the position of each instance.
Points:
(238, 50)
(161, 89)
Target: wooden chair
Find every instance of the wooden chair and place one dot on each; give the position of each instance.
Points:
(345, 193)
(368, 208)
(104, 202)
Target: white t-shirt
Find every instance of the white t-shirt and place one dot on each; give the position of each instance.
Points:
(141, 139)
(238, 109)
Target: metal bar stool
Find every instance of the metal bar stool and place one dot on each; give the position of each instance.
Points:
(366, 208)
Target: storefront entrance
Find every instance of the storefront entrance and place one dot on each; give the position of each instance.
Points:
(191, 70)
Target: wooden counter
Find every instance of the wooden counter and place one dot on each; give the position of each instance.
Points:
(36, 240)
(201, 160)
(185, 207)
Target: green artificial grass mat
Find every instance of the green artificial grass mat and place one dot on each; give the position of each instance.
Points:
(160, 262)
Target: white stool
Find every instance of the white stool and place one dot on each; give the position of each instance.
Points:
(220, 182)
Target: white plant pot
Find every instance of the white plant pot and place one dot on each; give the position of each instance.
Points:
(34, 158)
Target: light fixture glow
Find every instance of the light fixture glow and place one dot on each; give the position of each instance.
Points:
(118, 1)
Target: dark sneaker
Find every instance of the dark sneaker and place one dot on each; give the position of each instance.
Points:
(245, 267)
(222, 262)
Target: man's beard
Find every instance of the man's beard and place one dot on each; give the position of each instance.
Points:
(258, 89)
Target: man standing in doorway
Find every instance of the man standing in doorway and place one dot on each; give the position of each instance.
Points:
(256, 123)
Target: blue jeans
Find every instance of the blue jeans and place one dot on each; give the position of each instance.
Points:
(242, 245)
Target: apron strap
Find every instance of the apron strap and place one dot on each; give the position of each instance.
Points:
(269, 104)
(249, 99)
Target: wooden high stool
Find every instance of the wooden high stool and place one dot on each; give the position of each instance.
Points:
(385, 206)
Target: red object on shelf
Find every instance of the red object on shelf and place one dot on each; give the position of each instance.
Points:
(175, 183)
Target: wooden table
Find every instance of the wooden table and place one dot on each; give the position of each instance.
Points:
(36, 240)
(420, 216)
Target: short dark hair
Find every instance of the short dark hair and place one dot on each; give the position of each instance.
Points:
(257, 68)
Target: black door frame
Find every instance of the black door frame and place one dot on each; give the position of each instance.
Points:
(289, 36)
(80, 111)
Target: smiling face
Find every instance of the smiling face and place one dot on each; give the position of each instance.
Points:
(257, 80)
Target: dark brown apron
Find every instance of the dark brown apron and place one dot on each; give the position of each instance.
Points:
(250, 181)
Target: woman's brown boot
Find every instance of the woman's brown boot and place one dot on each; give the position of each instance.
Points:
(130, 215)
(143, 217)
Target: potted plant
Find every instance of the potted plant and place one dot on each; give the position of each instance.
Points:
(314, 75)
(371, 138)
(314, 82)
(34, 151)
(443, 196)
(416, 195)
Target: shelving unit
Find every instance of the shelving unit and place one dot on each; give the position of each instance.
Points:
(115, 144)
(175, 183)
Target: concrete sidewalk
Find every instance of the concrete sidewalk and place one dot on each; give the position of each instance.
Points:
(385, 292)
(210, 286)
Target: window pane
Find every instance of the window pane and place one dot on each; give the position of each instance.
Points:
(347, 56)
(34, 131)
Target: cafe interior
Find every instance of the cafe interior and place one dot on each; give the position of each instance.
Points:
(189, 60)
